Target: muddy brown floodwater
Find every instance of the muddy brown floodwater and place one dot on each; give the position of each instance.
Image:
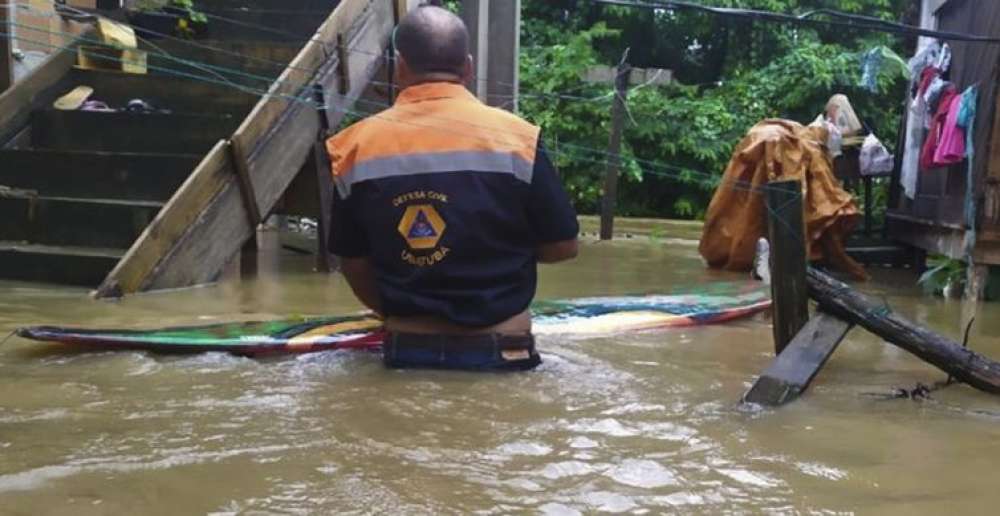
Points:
(643, 423)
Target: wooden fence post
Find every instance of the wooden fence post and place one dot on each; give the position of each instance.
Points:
(786, 233)
(609, 200)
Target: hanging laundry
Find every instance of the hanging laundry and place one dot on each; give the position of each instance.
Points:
(967, 121)
(943, 61)
(927, 56)
(951, 147)
(871, 65)
(878, 60)
(937, 128)
(916, 127)
(922, 73)
(967, 118)
(933, 92)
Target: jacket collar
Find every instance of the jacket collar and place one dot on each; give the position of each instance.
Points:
(434, 91)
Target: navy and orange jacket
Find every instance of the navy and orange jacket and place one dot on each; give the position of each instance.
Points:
(450, 200)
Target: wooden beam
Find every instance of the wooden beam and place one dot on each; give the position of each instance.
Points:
(6, 48)
(790, 374)
(325, 192)
(965, 365)
(238, 160)
(344, 84)
(786, 234)
(203, 227)
(325, 189)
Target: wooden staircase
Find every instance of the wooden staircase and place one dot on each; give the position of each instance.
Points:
(78, 189)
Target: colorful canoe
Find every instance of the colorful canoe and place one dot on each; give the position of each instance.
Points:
(712, 304)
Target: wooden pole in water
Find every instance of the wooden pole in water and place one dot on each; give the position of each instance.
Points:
(610, 198)
(6, 49)
(786, 233)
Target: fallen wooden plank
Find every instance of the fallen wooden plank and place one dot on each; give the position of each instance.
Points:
(790, 374)
(203, 227)
(965, 365)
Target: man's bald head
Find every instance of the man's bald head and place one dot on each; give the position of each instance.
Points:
(433, 40)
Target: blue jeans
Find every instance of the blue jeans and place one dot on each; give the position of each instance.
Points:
(467, 352)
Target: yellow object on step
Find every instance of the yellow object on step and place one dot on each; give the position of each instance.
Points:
(74, 99)
(116, 34)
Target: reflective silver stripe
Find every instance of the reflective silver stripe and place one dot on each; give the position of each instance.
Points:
(436, 162)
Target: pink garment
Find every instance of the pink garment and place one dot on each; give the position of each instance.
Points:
(951, 148)
(933, 140)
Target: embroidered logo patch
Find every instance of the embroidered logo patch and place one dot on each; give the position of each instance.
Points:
(421, 227)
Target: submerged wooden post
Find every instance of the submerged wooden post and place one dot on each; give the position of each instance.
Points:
(609, 200)
(786, 233)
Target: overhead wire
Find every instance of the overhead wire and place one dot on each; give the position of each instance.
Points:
(855, 21)
(565, 94)
(652, 167)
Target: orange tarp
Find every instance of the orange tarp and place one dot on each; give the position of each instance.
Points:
(779, 150)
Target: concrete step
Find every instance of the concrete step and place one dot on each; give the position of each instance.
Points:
(128, 132)
(177, 94)
(96, 175)
(66, 221)
(68, 265)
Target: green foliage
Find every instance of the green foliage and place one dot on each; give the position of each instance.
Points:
(942, 272)
(731, 73)
(189, 15)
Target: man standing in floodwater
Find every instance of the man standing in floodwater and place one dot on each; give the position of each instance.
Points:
(445, 207)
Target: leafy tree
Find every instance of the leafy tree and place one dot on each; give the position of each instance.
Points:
(731, 73)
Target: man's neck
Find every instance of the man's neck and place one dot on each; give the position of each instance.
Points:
(434, 77)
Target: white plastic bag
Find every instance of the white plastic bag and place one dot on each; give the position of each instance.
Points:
(875, 159)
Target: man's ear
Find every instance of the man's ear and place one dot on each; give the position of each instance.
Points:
(469, 70)
(403, 72)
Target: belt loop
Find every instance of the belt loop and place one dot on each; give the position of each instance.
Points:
(441, 349)
(496, 346)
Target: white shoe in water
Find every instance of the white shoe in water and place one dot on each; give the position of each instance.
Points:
(762, 262)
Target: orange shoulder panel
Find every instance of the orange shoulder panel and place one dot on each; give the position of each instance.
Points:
(433, 126)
